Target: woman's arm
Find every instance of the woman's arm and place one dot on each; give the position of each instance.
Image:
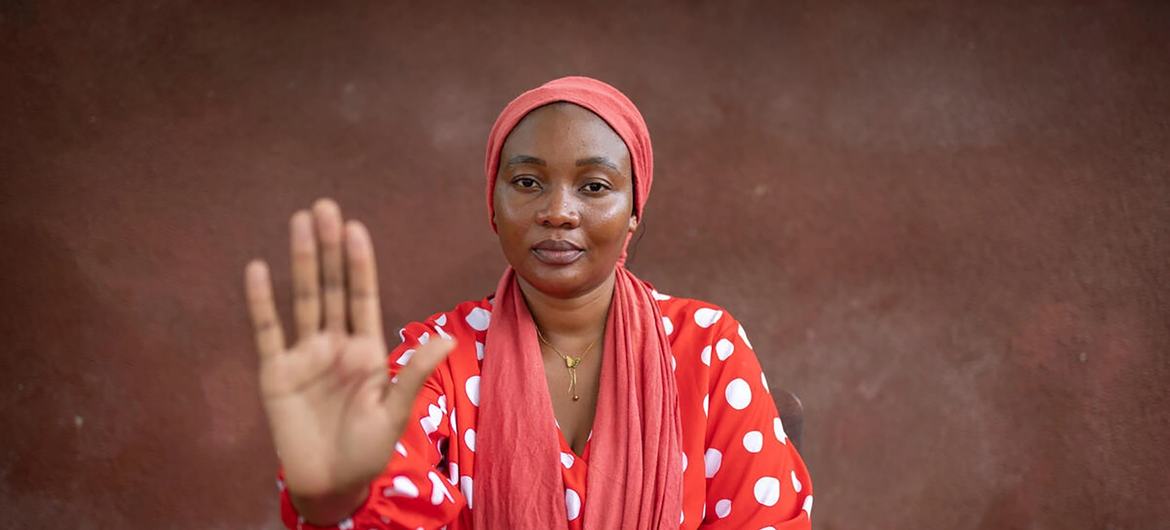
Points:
(755, 477)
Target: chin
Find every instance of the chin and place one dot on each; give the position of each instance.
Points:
(560, 282)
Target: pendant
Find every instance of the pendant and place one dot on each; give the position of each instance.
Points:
(572, 364)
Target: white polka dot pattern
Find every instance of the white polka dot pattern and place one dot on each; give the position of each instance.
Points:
(572, 504)
(472, 388)
(733, 443)
(767, 491)
(469, 439)
(723, 508)
(753, 441)
(743, 337)
(778, 427)
(712, 460)
(466, 486)
(402, 487)
(479, 319)
(430, 422)
(706, 317)
(723, 349)
(438, 490)
(739, 394)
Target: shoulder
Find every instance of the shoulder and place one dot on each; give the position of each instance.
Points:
(469, 317)
(693, 316)
(708, 343)
(466, 323)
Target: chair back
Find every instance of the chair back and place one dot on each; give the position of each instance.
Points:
(791, 414)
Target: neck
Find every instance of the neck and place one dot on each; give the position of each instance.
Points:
(570, 320)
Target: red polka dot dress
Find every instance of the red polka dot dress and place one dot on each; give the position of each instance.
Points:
(739, 469)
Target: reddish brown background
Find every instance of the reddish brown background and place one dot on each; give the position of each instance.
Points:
(944, 225)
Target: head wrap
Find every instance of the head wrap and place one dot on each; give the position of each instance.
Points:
(634, 479)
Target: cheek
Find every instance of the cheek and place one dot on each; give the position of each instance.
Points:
(510, 230)
(613, 223)
(503, 212)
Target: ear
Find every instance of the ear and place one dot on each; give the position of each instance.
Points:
(633, 223)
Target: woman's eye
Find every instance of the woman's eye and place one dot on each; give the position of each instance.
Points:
(525, 182)
(595, 187)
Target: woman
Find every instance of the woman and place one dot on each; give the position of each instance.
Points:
(574, 396)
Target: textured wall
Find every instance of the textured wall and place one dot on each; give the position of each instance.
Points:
(944, 225)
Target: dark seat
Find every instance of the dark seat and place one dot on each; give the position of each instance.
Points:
(791, 414)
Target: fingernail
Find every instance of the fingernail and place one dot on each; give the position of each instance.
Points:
(302, 225)
(256, 270)
(354, 238)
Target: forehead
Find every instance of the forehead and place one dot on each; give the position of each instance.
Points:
(565, 129)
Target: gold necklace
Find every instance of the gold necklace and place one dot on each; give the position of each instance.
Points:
(570, 362)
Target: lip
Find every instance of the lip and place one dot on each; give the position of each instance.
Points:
(557, 257)
(556, 244)
(557, 251)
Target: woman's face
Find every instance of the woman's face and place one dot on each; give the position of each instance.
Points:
(564, 199)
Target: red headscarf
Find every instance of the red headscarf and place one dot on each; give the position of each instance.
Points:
(635, 470)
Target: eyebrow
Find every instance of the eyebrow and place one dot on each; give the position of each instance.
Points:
(598, 161)
(591, 161)
(525, 159)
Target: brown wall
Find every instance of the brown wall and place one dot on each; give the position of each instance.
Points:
(945, 226)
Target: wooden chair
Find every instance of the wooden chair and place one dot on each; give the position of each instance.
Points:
(791, 414)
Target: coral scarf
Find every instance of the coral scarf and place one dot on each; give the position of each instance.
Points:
(634, 478)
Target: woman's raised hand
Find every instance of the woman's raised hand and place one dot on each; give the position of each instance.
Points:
(333, 411)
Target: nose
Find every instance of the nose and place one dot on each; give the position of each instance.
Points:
(561, 209)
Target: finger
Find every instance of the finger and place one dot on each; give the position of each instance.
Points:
(265, 322)
(328, 217)
(400, 397)
(364, 307)
(305, 281)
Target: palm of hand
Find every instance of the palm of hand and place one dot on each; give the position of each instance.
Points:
(334, 413)
(325, 405)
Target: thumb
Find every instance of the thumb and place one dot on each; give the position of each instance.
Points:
(400, 395)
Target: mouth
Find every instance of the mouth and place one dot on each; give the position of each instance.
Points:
(557, 252)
